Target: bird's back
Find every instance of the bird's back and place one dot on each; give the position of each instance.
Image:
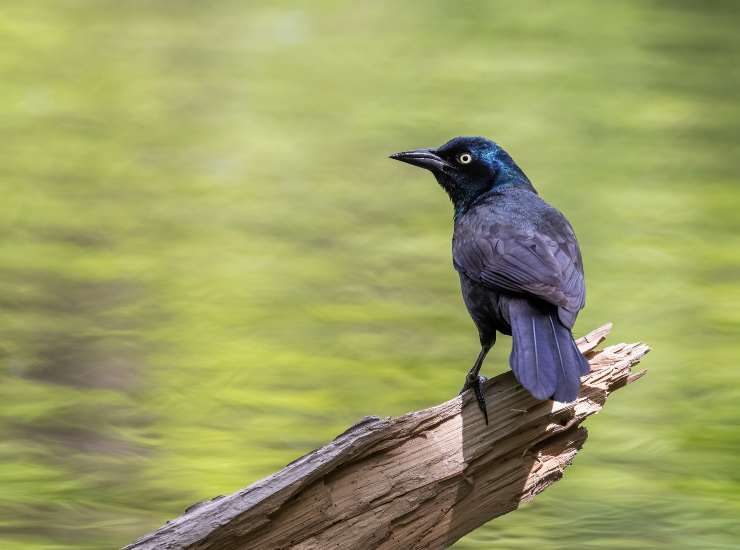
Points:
(520, 211)
(513, 241)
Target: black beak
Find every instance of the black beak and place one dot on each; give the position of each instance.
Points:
(424, 158)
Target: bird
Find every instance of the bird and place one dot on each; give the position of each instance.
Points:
(519, 264)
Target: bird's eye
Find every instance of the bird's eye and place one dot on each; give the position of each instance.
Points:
(465, 158)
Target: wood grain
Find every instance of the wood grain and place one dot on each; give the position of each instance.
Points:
(421, 480)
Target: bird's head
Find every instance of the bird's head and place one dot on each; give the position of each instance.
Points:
(467, 167)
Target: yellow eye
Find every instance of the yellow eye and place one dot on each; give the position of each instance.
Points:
(465, 158)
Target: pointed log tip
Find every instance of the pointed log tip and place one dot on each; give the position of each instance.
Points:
(589, 341)
(636, 376)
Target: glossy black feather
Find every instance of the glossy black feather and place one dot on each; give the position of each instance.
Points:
(511, 240)
(519, 262)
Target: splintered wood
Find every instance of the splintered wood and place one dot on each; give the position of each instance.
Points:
(421, 480)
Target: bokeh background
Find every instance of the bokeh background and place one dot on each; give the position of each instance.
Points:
(208, 266)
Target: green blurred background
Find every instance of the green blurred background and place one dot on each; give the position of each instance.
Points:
(208, 265)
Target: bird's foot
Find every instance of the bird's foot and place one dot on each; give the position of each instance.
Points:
(475, 382)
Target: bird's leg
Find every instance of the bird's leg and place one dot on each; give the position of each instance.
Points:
(475, 382)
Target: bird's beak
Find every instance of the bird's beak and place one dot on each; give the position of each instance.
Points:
(424, 158)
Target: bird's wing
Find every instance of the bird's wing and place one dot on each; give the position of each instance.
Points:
(516, 258)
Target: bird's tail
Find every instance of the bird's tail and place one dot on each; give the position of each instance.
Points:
(544, 356)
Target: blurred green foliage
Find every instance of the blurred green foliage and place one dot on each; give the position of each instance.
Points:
(208, 267)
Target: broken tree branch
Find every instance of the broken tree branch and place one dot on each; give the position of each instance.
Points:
(421, 480)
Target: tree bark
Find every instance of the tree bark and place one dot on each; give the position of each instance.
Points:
(421, 480)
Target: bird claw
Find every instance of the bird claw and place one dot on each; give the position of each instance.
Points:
(475, 383)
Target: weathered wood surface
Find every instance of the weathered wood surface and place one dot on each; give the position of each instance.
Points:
(421, 480)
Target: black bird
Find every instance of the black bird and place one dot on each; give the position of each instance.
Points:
(519, 263)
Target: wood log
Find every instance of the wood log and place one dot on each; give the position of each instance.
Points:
(421, 480)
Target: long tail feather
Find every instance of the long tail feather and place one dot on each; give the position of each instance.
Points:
(544, 356)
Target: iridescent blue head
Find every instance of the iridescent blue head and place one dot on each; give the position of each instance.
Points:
(467, 167)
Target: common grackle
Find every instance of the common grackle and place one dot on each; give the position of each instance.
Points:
(519, 264)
